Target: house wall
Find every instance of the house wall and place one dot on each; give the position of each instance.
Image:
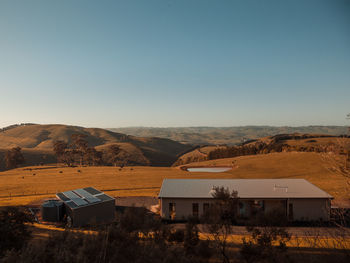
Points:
(303, 209)
(273, 205)
(247, 206)
(183, 207)
(310, 209)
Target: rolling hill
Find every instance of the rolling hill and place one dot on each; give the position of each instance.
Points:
(277, 143)
(226, 135)
(37, 141)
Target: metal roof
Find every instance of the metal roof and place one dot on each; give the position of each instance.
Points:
(83, 197)
(246, 188)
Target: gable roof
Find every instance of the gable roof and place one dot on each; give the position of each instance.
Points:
(246, 188)
(83, 197)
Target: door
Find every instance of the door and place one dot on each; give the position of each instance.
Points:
(195, 209)
(205, 208)
(290, 212)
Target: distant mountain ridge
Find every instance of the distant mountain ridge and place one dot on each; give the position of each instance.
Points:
(226, 135)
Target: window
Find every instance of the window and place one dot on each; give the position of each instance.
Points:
(172, 210)
(257, 207)
(195, 209)
(205, 208)
(242, 209)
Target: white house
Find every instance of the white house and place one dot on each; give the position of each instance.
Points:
(297, 198)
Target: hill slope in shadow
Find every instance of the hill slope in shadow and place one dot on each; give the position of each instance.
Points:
(37, 143)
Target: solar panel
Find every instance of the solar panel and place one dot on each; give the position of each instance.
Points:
(62, 197)
(89, 197)
(92, 190)
(75, 198)
(71, 204)
(104, 197)
(83, 197)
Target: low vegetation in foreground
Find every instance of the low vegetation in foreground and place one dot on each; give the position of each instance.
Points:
(139, 236)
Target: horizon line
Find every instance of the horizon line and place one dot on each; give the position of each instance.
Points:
(172, 127)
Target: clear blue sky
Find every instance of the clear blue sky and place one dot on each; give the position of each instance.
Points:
(175, 63)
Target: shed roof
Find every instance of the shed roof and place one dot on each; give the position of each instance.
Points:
(83, 197)
(246, 188)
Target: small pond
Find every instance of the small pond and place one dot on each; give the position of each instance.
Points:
(209, 169)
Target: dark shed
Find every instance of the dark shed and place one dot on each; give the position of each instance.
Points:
(88, 206)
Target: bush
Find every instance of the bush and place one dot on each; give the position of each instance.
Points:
(138, 237)
(268, 242)
(14, 232)
(177, 236)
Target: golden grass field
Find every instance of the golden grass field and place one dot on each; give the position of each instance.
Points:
(24, 184)
(322, 141)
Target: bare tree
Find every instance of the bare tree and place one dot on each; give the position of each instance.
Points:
(113, 154)
(92, 156)
(68, 157)
(80, 145)
(14, 157)
(268, 238)
(59, 147)
(220, 217)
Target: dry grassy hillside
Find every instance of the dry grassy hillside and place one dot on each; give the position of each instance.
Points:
(146, 181)
(37, 140)
(322, 141)
(135, 153)
(300, 139)
(276, 143)
(197, 155)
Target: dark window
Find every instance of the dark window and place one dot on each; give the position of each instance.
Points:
(290, 212)
(257, 206)
(195, 209)
(205, 208)
(243, 209)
